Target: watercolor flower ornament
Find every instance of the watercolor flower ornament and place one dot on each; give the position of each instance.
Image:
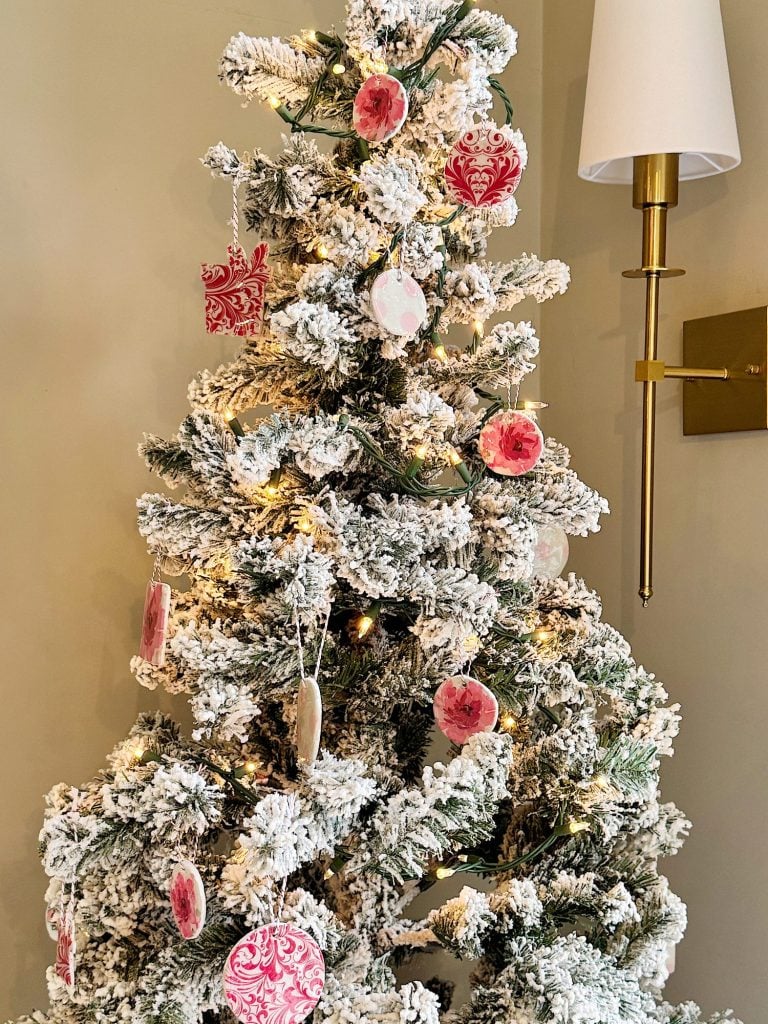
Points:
(510, 443)
(463, 706)
(380, 108)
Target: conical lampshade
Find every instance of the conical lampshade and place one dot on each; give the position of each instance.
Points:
(658, 83)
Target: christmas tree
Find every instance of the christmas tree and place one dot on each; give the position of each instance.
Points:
(378, 553)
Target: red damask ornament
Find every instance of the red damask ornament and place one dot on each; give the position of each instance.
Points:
(484, 167)
(66, 949)
(234, 292)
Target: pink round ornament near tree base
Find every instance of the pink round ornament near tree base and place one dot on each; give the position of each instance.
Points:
(484, 167)
(551, 552)
(274, 975)
(380, 108)
(510, 443)
(398, 302)
(463, 706)
(187, 896)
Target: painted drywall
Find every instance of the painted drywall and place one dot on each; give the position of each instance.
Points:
(106, 215)
(704, 632)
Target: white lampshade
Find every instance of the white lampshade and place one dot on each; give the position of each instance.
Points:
(658, 83)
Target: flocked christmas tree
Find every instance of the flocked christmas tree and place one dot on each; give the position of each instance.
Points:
(381, 551)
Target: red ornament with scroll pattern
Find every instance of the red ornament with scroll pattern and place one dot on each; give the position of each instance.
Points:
(66, 950)
(234, 292)
(484, 167)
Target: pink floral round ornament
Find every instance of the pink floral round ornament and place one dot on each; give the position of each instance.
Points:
(398, 302)
(551, 552)
(463, 706)
(484, 167)
(380, 108)
(510, 443)
(187, 895)
(274, 975)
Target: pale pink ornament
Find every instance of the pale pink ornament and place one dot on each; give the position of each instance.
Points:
(154, 627)
(463, 707)
(484, 167)
(187, 896)
(274, 975)
(510, 443)
(66, 950)
(234, 291)
(309, 720)
(380, 108)
(52, 916)
(398, 302)
(551, 552)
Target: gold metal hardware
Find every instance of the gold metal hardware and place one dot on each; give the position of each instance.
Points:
(649, 369)
(739, 342)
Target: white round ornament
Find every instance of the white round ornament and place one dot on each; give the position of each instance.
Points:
(274, 975)
(551, 552)
(187, 896)
(398, 302)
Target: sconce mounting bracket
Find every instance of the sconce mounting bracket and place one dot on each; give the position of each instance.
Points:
(739, 343)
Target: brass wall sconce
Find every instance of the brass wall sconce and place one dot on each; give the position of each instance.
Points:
(659, 109)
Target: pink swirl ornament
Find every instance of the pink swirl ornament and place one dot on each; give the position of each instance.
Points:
(187, 896)
(380, 108)
(483, 168)
(510, 443)
(463, 706)
(274, 975)
(398, 302)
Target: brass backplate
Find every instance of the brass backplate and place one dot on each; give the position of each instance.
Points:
(739, 342)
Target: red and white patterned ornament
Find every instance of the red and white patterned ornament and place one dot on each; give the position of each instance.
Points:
(551, 552)
(510, 443)
(187, 896)
(380, 108)
(154, 626)
(66, 950)
(398, 302)
(234, 291)
(484, 167)
(309, 720)
(274, 975)
(463, 706)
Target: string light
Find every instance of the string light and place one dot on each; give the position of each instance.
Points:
(328, 873)
(542, 635)
(304, 523)
(234, 423)
(420, 453)
(250, 767)
(366, 621)
(438, 352)
(273, 101)
(322, 251)
(338, 69)
(471, 644)
(508, 722)
(310, 35)
(574, 827)
(138, 752)
(380, 67)
(479, 328)
(444, 872)
(458, 463)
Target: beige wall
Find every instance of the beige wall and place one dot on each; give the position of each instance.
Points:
(704, 632)
(106, 214)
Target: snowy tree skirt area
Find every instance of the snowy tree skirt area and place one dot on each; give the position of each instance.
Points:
(393, 522)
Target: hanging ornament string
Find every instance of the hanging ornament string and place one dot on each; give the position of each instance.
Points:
(300, 644)
(237, 178)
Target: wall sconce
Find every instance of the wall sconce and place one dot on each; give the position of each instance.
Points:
(658, 109)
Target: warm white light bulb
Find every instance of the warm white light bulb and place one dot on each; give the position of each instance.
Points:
(444, 872)
(364, 626)
(273, 101)
(338, 69)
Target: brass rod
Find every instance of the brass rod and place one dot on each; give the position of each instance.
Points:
(649, 440)
(696, 373)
